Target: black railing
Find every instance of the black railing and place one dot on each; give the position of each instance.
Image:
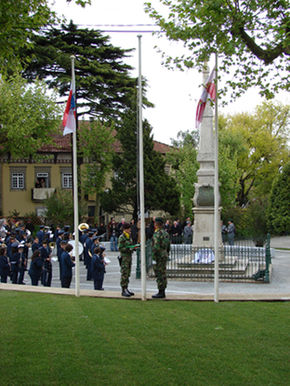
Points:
(240, 262)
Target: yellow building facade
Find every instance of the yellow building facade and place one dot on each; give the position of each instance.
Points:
(26, 183)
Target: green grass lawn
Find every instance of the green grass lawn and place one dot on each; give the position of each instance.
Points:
(64, 340)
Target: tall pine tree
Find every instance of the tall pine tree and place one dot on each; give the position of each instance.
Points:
(159, 188)
(104, 86)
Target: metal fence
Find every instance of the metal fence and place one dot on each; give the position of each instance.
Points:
(240, 262)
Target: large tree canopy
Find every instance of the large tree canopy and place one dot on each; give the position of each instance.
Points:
(258, 145)
(19, 19)
(104, 86)
(252, 37)
(28, 117)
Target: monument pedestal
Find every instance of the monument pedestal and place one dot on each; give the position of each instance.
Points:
(203, 230)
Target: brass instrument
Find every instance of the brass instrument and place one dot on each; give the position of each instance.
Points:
(83, 226)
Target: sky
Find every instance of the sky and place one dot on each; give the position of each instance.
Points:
(174, 93)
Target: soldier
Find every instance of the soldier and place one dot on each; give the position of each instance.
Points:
(126, 248)
(160, 250)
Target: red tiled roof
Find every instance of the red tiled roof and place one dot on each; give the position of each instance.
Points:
(62, 144)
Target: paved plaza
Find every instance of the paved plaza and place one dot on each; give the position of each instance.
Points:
(277, 289)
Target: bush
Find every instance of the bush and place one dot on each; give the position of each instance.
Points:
(250, 222)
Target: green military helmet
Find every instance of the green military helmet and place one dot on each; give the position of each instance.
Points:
(159, 220)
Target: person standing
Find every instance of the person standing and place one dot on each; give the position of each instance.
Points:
(160, 251)
(98, 268)
(66, 266)
(126, 248)
(113, 234)
(40, 234)
(231, 232)
(45, 252)
(187, 233)
(35, 269)
(134, 231)
(22, 263)
(224, 232)
(14, 261)
(4, 264)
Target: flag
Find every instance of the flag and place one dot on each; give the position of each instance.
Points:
(209, 91)
(69, 117)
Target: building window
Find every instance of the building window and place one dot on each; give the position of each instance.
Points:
(42, 180)
(66, 180)
(17, 181)
(17, 178)
(42, 177)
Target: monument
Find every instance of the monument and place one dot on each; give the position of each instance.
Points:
(203, 210)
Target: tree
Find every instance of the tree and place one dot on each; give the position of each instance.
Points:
(28, 117)
(230, 147)
(60, 209)
(104, 86)
(96, 149)
(262, 142)
(251, 37)
(278, 214)
(182, 159)
(19, 20)
(160, 189)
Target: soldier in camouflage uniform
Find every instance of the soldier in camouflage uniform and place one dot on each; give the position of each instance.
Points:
(126, 248)
(160, 250)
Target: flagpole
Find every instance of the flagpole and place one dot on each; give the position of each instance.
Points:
(216, 193)
(141, 180)
(75, 196)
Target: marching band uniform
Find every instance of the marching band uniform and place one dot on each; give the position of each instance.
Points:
(98, 268)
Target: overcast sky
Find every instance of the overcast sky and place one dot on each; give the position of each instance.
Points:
(174, 93)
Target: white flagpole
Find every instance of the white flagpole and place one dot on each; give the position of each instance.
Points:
(75, 195)
(141, 180)
(216, 193)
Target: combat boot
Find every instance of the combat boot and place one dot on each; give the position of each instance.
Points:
(159, 295)
(125, 292)
(130, 292)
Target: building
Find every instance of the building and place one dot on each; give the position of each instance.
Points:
(27, 182)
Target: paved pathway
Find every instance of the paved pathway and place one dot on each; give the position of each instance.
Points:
(277, 289)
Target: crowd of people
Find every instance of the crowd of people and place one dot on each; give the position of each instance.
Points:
(17, 239)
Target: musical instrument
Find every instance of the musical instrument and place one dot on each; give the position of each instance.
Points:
(83, 226)
(81, 248)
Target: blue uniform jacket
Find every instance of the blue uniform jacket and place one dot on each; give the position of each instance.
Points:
(97, 264)
(36, 267)
(4, 266)
(66, 264)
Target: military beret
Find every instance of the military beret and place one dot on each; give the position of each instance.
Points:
(126, 225)
(159, 219)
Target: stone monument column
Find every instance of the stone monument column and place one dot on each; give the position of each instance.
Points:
(203, 210)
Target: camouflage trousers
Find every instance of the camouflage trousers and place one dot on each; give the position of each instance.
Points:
(160, 272)
(125, 270)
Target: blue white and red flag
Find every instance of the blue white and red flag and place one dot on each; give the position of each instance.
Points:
(209, 92)
(69, 117)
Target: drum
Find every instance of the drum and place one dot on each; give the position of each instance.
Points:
(81, 248)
